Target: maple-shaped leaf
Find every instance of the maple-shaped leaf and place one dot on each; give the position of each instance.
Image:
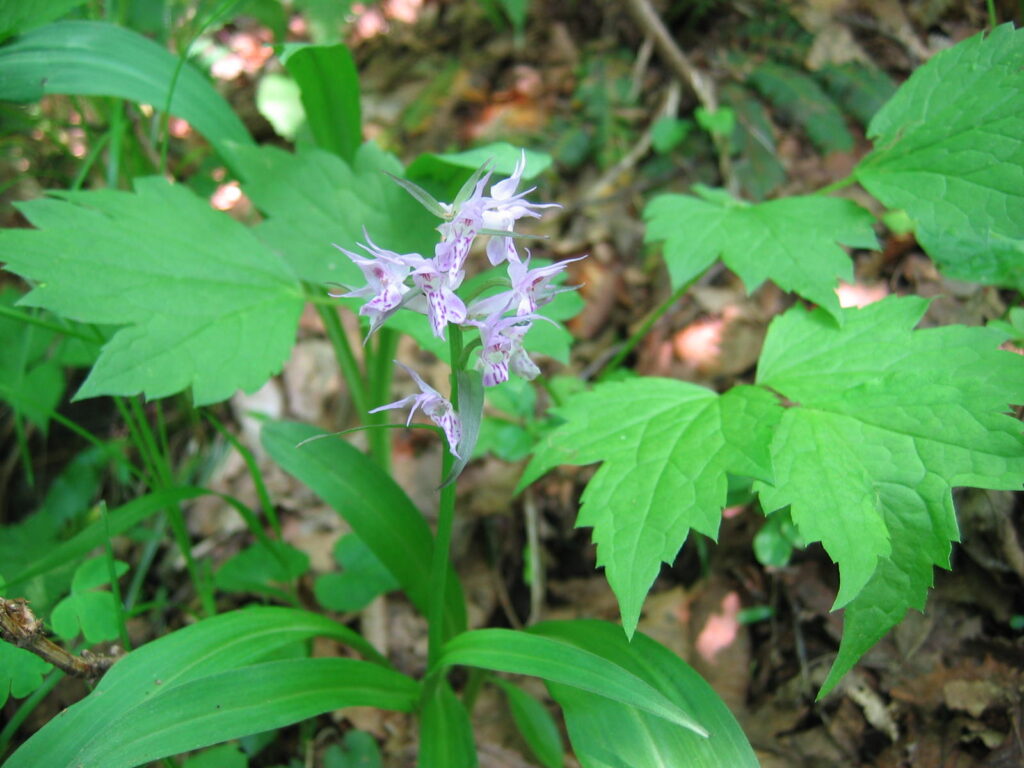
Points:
(883, 421)
(204, 303)
(314, 200)
(949, 149)
(666, 448)
(794, 242)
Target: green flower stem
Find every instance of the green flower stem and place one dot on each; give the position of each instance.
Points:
(645, 328)
(346, 358)
(380, 369)
(445, 521)
(114, 151)
(27, 707)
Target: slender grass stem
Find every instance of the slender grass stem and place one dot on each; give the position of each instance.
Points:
(115, 585)
(436, 632)
(836, 185)
(645, 328)
(254, 471)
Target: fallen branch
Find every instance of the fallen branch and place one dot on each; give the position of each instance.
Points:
(19, 625)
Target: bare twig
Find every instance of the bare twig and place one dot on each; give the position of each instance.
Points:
(19, 625)
(700, 83)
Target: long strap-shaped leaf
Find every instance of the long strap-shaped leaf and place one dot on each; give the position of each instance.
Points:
(210, 648)
(378, 510)
(93, 58)
(505, 650)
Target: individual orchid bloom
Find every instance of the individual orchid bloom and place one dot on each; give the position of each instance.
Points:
(386, 275)
(443, 305)
(532, 288)
(503, 208)
(502, 339)
(437, 408)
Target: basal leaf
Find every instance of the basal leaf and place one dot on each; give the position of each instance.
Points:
(609, 734)
(802, 101)
(314, 200)
(378, 510)
(794, 241)
(94, 58)
(554, 660)
(667, 447)
(883, 421)
(949, 149)
(446, 734)
(167, 696)
(535, 724)
(205, 304)
(16, 18)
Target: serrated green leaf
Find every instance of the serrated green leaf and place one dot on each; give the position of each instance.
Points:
(94, 58)
(206, 305)
(21, 672)
(949, 149)
(884, 421)
(802, 101)
(792, 241)
(314, 200)
(163, 698)
(667, 447)
(608, 734)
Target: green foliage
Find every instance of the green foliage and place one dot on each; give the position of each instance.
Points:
(16, 18)
(358, 749)
(792, 241)
(611, 734)
(887, 420)
(208, 683)
(31, 379)
(555, 660)
(89, 610)
(205, 304)
(949, 149)
(666, 454)
(861, 89)
(362, 578)
(668, 132)
(264, 568)
(329, 89)
(21, 672)
(371, 502)
(883, 420)
(798, 97)
(225, 756)
(314, 199)
(98, 59)
(756, 166)
(774, 543)
(535, 725)
(446, 735)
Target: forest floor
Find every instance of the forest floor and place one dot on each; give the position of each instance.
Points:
(583, 82)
